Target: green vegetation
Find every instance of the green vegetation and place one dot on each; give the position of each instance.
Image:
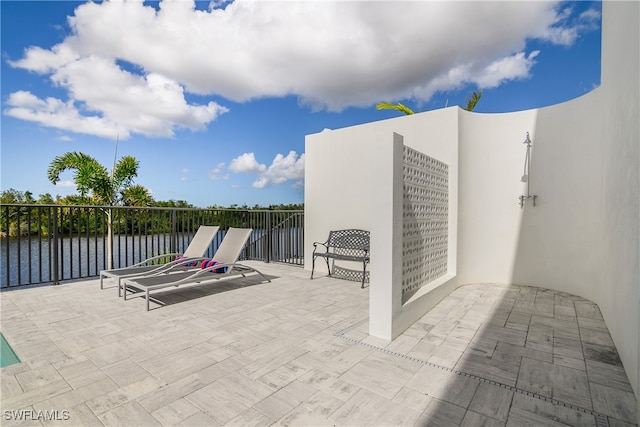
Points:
(400, 107)
(472, 101)
(93, 180)
(76, 215)
(112, 194)
(15, 197)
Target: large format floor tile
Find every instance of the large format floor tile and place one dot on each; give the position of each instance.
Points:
(297, 352)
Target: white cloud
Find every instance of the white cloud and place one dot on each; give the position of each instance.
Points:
(567, 29)
(329, 54)
(590, 18)
(489, 75)
(66, 183)
(282, 169)
(216, 174)
(108, 101)
(246, 163)
(517, 66)
(184, 178)
(57, 114)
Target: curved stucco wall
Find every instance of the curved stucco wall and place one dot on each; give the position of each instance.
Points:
(491, 165)
(620, 207)
(582, 237)
(552, 244)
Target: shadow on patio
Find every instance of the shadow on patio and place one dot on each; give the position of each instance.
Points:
(507, 355)
(296, 352)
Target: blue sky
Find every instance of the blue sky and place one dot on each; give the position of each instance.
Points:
(215, 98)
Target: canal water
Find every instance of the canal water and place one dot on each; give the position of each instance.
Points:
(30, 260)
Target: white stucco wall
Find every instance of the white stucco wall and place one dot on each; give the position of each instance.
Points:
(349, 183)
(339, 177)
(337, 182)
(492, 156)
(583, 235)
(620, 207)
(556, 244)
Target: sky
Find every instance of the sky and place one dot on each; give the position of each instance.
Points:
(214, 99)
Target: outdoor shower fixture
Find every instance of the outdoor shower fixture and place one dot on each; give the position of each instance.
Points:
(526, 176)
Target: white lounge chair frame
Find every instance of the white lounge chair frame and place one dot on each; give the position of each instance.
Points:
(226, 256)
(195, 251)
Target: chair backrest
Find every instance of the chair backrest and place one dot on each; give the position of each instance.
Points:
(234, 241)
(349, 239)
(201, 241)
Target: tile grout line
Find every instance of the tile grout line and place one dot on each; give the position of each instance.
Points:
(601, 419)
(521, 357)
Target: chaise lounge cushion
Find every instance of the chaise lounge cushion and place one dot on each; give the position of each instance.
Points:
(211, 263)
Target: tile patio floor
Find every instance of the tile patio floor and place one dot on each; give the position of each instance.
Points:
(296, 352)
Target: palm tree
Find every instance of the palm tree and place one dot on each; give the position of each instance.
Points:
(136, 195)
(92, 179)
(400, 107)
(472, 101)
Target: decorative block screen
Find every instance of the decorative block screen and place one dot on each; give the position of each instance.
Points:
(425, 220)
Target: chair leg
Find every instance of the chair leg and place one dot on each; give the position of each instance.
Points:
(328, 268)
(313, 265)
(364, 273)
(265, 277)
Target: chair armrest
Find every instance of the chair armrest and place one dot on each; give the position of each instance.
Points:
(315, 247)
(146, 261)
(168, 267)
(185, 261)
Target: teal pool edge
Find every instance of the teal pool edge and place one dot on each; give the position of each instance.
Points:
(7, 355)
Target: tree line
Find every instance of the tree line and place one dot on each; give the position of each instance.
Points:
(21, 214)
(107, 191)
(16, 197)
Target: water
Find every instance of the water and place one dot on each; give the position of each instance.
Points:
(80, 256)
(83, 257)
(7, 355)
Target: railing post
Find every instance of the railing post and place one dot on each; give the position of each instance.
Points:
(56, 277)
(247, 219)
(110, 237)
(272, 236)
(6, 230)
(173, 243)
(267, 252)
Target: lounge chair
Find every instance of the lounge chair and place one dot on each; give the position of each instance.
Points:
(226, 265)
(195, 251)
